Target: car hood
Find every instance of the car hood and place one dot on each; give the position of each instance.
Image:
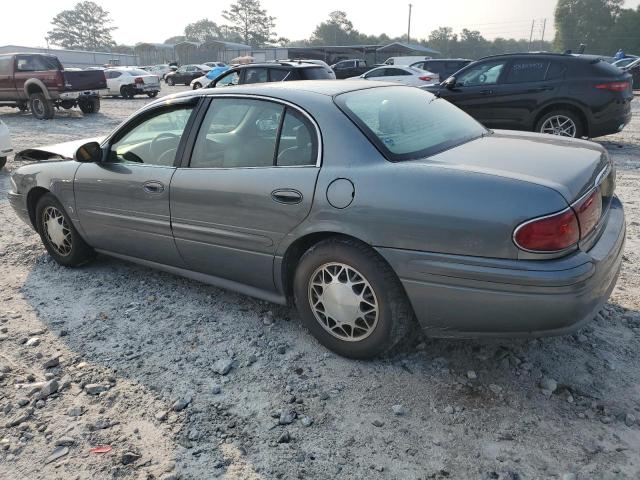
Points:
(566, 165)
(58, 151)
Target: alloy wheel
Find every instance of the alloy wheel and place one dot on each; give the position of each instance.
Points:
(559, 125)
(38, 106)
(343, 302)
(57, 231)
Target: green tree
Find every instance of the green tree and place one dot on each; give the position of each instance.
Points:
(337, 30)
(625, 33)
(85, 27)
(250, 22)
(202, 31)
(443, 40)
(175, 39)
(585, 21)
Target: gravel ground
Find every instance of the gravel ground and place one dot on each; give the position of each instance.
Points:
(182, 380)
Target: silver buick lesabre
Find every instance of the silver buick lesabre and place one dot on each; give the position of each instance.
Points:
(368, 207)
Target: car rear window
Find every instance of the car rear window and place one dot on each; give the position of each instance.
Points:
(37, 63)
(315, 73)
(407, 123)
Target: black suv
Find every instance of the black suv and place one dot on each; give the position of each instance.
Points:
(271, 72)
(445, 67)
(568, 95)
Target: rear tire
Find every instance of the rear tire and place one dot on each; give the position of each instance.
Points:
(152, 94)
(357, 285)
(170, 81)
(90, 106)
(126, 92)
(58, 234)
(41, 108)
(197, 85)
(3, 162)
(563, 123)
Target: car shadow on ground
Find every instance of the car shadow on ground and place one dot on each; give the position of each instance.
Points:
(166, 333)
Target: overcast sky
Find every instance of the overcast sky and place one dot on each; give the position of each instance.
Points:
(155, 21)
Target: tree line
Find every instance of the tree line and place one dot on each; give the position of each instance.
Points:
(602, 25)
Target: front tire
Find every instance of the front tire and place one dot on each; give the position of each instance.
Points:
(351, 300)
(41, 108)
(58, 234)
(3, 162)
(170, 81)
(563, 123)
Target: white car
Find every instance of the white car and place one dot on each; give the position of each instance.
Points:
(160, 70)
(128, 82)
(406, 75)
(5, 144)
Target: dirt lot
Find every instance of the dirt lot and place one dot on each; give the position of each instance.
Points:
(183, 380)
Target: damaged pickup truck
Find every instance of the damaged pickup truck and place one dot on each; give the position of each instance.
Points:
(39, 82)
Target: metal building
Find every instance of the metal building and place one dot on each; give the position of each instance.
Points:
(77, 58)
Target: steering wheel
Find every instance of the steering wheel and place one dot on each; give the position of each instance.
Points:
(152, 145)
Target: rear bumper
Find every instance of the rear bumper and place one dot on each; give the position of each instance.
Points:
(611, 120)
(82, 94)
(455, 296)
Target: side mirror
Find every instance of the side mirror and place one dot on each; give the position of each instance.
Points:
(450, 82)
(89, 153)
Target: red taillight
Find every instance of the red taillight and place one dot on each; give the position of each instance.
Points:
(614, 86)
(60, 80)
(426, 78)
(548, 234)
(589, 211)
(139, 80)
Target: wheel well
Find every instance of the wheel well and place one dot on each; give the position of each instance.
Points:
(297, 249)
(565, 106)
(32, 200)
(33, 88)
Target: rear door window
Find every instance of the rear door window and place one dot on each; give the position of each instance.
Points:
(5, 65)
(526, 70)
(278, 74)
(396, 72)
(297, 145)
(255, 75)
(315, 73)
(378, 72)
(238, 133)
(37, 63)
(556, 71)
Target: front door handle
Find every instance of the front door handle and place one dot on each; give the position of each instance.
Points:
(153, 187)
(286, 195)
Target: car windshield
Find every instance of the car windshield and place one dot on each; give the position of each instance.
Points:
(408, 123)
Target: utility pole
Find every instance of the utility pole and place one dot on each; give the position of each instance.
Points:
(533, 23)
(544, 26)
(409, 27)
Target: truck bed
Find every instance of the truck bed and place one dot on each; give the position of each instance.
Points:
(84, 80)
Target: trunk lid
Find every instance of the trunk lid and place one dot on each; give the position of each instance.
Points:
(568, 166)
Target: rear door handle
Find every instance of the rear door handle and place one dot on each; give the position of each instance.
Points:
(486, 92)
(541, 89)
(153, 187)
(286, 195)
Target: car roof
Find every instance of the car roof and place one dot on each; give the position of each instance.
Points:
(542, 55)
(281, 89)
(278, 63)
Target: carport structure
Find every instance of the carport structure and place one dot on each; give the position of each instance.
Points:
(373, 54)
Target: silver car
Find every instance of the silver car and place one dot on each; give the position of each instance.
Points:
(368, 207)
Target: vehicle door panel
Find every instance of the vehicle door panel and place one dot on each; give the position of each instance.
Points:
(474, 88)
(227, 222)
(520, 93)
(123, 202)
(7, 82)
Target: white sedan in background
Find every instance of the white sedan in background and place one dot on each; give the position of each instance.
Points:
(398, 73)
(5, 144)
(128, 82)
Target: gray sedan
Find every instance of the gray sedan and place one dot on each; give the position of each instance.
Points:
(370, 208)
